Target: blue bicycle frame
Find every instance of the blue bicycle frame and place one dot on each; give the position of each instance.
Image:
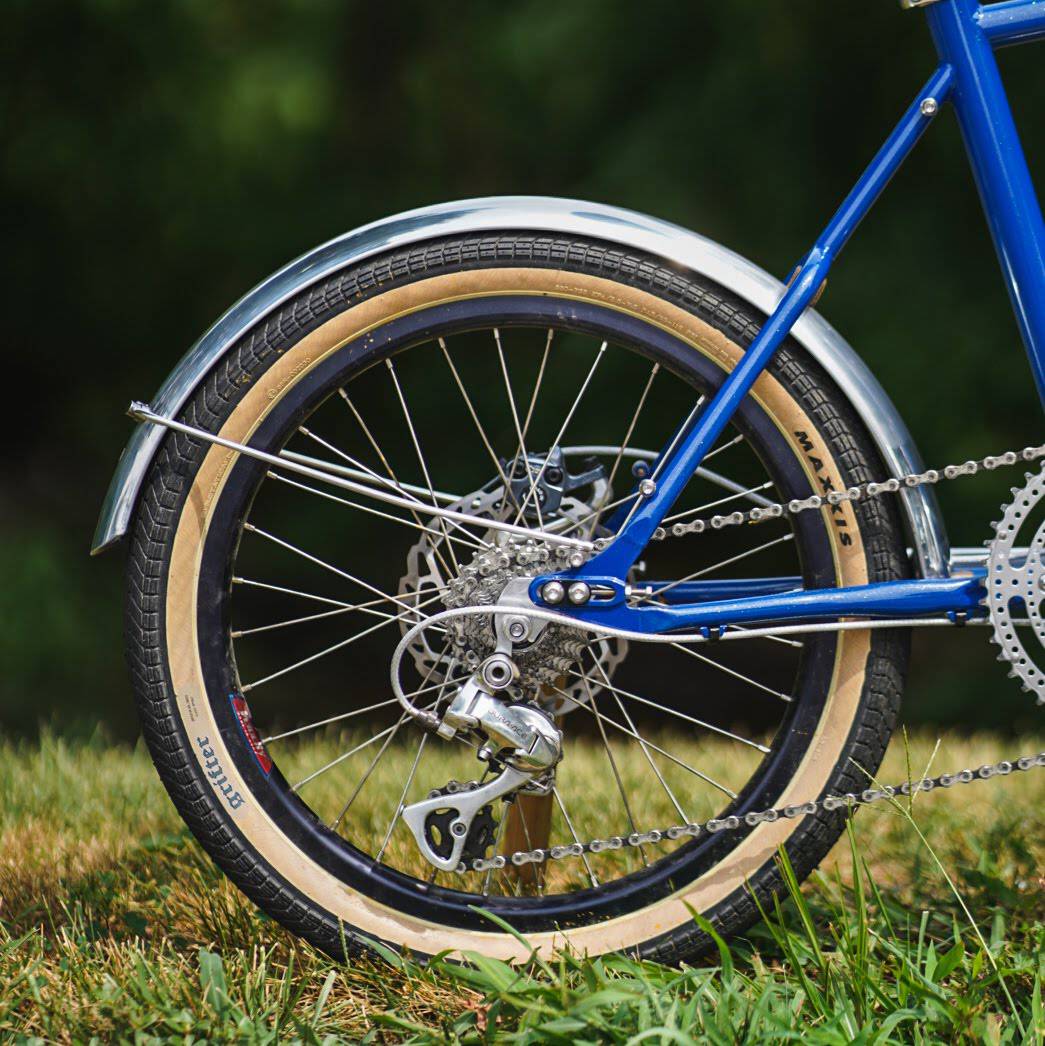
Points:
(965, 34)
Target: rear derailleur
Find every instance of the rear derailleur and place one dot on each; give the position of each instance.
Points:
(455, 824)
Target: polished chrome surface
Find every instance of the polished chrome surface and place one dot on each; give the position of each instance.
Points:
(628, 229)
(1016, 576)
(333, 474)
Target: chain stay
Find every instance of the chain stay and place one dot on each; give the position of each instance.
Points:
(850, 800)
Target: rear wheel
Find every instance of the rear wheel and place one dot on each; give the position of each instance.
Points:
(262, 608)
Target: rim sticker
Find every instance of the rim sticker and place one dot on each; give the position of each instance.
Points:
(250, 733)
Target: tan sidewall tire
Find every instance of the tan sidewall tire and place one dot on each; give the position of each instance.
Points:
(194, 707)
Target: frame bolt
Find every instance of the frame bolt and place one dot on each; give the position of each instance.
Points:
(647, 488)
(517, 627)
(579, 593)
(929, 107)
(553, 593)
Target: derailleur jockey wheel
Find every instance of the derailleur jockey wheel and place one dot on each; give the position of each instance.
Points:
(482, 834)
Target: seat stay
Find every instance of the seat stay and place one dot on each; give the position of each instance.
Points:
(683, 456)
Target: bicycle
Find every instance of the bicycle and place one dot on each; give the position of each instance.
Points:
(528, 571)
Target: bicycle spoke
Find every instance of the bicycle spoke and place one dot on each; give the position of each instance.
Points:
(322, 653)
(402, 798)
(415, 524)
(725, 446)
(369, 770)
(678, 437)
(573, 831)
(421, 460)
(538, 870)
(305, 595)
(387, 465)
(328, 566)
(614, 769)
(562, 429)
(627, 437)
(332, 719)
(721, 501)
(732, 672)
(441, 686)
(478, 424)
(656, 748)
(518, 427)
(631, 726)
(595, 513)
(666, 456)
(716, 566)
(361, 470)
(362, 607)
(537, 383)
(614, 688)
(487, 879)
(345, 755)
(369, 435)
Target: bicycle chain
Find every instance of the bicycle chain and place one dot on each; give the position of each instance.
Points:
(854, 493)
(850, 800)
(753, 818)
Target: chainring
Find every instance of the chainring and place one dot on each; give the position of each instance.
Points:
(1016, 583)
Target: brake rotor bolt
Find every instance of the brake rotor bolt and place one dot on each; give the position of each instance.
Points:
(553, 593)
(576, 559)
(579, 593)
(647, 488)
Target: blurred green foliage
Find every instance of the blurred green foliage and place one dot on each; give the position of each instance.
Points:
(157, 159)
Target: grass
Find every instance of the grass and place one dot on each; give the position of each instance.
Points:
(115, 926)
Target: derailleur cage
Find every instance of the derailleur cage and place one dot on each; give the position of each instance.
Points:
(452, 822)
(440, 824)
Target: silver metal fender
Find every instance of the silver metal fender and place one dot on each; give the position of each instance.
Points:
(629, 230)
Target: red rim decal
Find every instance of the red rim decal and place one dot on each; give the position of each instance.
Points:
(250, 733)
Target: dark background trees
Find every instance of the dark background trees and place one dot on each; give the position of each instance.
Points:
(158, 159)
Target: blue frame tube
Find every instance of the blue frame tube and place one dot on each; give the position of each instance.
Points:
(1000, 168)
(922, 596)
(706, 591)
(1012, 22)
(684, 460)
(965, 35)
